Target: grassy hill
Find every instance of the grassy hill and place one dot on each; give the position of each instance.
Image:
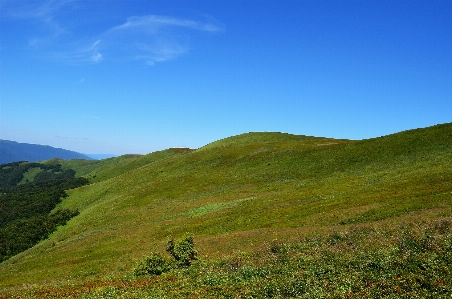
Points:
(98, 170)
(272, 215)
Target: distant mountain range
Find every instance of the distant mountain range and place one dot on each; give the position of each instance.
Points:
(11, 151)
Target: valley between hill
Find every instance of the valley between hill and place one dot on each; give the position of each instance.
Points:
(272, 215)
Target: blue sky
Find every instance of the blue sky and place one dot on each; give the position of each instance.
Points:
(139, 76)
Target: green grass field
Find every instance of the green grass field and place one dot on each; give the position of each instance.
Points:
(273, 216)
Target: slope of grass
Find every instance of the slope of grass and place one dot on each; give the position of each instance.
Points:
(30, 175)
(99, 170)
(267, 138)
(237, 195)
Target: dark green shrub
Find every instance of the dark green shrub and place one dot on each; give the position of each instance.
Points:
(182, 251)
(154, 264)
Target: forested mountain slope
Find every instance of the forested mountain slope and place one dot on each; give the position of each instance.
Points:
(28, 194)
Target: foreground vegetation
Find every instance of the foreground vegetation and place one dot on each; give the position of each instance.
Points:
(272, 216)
(409, 261)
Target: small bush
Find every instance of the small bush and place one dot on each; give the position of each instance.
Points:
(155, 264)
(183, 251)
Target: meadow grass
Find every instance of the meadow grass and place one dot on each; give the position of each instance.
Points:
(273, 215)
(407, 260)
(99, 170)
(29, 176)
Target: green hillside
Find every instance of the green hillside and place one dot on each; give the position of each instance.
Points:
(267, 138)
(99, 170)
(279, 206)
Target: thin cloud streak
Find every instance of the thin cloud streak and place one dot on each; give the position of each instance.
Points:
(155, 38)
(153, 23)
(93, 52)
(82, 55)
(150, 38)
(44, 12)
(160, 51)
(27, 9)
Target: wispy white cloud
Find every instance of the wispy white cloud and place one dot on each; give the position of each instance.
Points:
(78, 53)
(92, 52)
(149, 38)
(32, 9)
(156, 38)
(152, 24)
(158, 51)
(42, 11)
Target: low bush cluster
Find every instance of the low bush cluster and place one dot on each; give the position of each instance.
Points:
(411, 262)
(154, 264)
(183, 253)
